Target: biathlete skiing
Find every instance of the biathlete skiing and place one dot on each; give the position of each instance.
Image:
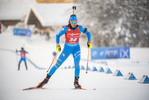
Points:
(23, 57)
(72, 33)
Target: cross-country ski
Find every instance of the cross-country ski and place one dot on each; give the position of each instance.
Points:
(33, 88)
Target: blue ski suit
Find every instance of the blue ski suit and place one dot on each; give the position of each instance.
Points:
(23, 58)
(70, 48)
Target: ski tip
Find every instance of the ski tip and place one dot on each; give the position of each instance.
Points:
(33, 88)
(24, 89)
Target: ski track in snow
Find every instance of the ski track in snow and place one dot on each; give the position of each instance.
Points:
(108, 87)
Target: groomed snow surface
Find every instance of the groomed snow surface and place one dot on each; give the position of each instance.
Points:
(60, 86)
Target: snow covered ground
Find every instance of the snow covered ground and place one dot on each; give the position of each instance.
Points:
(108, 87)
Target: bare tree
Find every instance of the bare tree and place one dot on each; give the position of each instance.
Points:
(116, 22)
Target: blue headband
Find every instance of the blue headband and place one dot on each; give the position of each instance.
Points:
(73, 17)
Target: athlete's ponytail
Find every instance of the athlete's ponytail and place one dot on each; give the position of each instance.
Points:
(68, 21)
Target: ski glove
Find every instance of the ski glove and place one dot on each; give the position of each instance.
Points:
(58, 48)
(89, 45)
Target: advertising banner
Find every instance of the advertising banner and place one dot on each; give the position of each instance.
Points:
(22, 32)
(110, 53)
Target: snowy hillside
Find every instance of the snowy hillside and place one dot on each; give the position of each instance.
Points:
(108, 87)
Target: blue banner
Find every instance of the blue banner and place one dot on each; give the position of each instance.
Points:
(22, 32)
(110, 53)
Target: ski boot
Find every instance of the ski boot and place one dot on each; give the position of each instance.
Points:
(18, 69)
(45, 81)
(76, 83)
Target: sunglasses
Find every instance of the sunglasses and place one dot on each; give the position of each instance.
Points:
(74, 22)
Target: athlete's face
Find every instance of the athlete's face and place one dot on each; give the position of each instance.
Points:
(73, 23)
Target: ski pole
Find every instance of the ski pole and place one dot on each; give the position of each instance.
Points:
(52, 62)
(87, 60)
(16, 56)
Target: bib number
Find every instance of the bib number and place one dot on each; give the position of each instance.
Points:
(73, 39)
